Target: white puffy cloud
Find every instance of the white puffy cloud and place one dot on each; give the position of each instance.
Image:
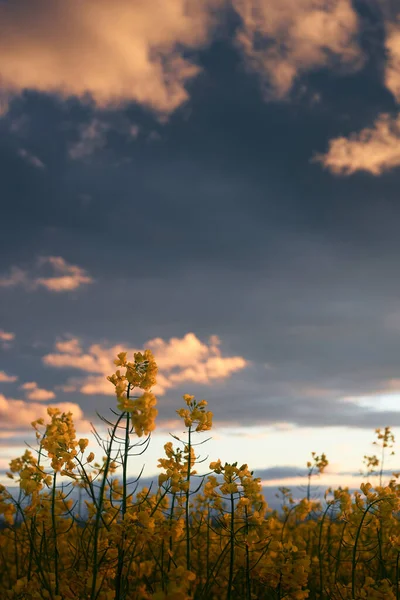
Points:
(179, 360)
(282, 39)
(374, 149)
(113, 52)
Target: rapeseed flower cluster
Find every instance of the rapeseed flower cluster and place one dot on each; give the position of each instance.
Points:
(195, 413)
(191, 537)
(142, 374)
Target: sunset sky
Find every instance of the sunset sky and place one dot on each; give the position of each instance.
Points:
(217, 181)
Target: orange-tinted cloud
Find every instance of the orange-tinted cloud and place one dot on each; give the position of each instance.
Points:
(392, 69)
(4, 378)
(34, 392)
(6, 336)
(71, 346)
(16, 277)
(116, 52)
(18, 414)
(67, 277)
(375, 149)
(179, 360)
(281, 39)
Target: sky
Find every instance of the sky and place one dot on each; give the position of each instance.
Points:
(217, 181)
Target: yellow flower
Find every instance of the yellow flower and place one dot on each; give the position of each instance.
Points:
(196, 414)
(216, 466)
(83, 443)
(121, 360)
(188, 399)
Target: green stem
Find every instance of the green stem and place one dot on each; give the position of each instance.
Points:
(171, 516)
(99, 511)
(248, 580)
(121, 551)
(353, 562)
(321, 587)
(232, 549)
(309, 485)
(382, 459)
(53, 521)
(187, 521)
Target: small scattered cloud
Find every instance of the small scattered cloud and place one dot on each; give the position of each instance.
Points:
(92, 137)
(70, 277)
(16, 277)
(282, 40)
(6, 336)
(6, 339)
(34, 392)
(31, 159)
(70, 346)
(374, 150)
(67, 277)
(4, 378)
(179, 360)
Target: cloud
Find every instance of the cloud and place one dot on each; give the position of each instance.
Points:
(179, 360)
(70, 276)
(36, 393)
(17, 276)
(66, 388)
(67, 277)
(283, 39)
(392, 68)
(4, 378)
(375, 149)
(17, 414)
(113, 52)
(92, 137)
(71, 346)
(6, 336)
(31, 158)
(284, 472)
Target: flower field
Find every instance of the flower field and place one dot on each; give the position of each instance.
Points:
(208, 536)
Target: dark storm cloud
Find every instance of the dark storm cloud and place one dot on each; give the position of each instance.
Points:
(221, 225)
